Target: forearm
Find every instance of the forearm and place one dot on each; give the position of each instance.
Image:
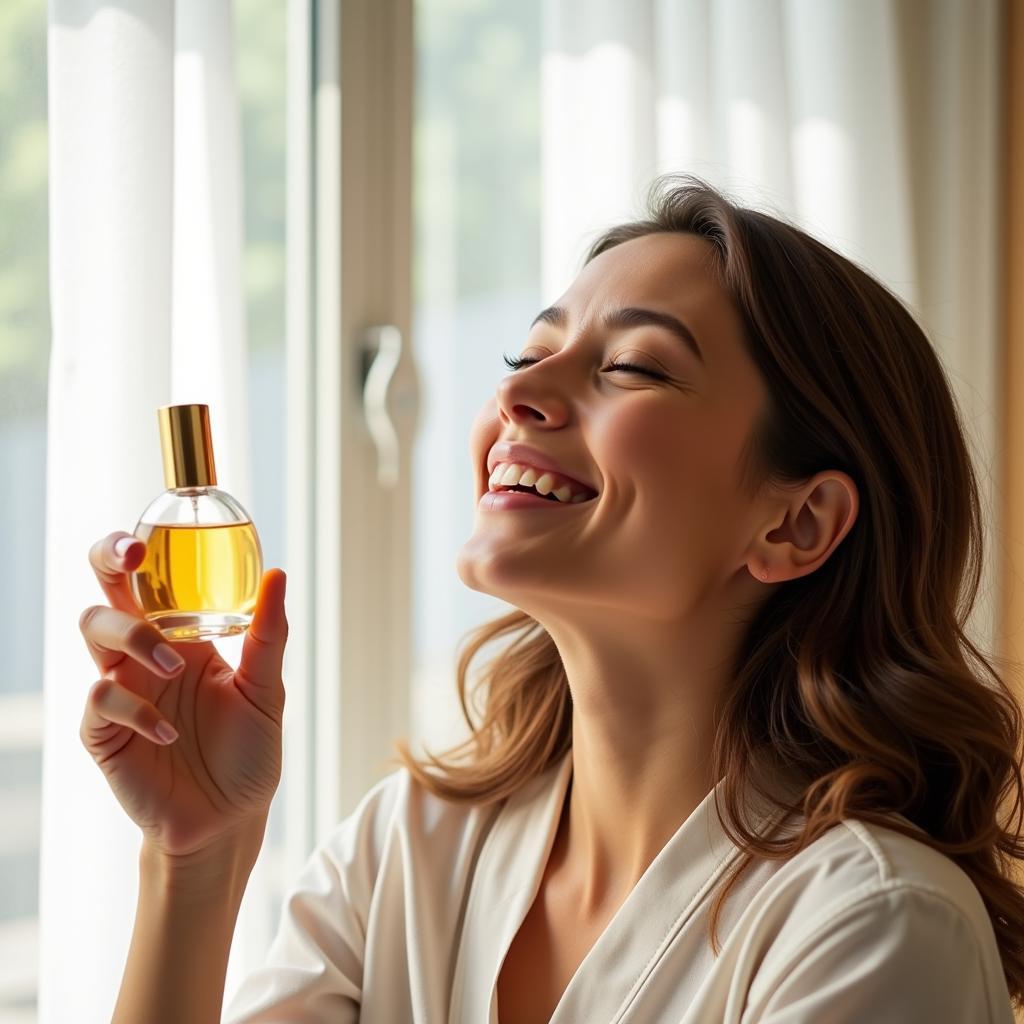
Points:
(184, 923)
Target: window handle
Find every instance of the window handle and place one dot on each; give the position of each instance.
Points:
(390, 396)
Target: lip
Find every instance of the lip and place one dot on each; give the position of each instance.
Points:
(496, 501)
(508, 451)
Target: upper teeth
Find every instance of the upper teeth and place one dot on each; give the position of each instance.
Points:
(508, 474)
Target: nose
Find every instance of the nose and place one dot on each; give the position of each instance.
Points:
(522, 400)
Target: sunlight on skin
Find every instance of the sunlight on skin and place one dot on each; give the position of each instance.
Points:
(646, 589)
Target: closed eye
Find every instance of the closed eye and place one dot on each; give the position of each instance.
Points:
(517, 362)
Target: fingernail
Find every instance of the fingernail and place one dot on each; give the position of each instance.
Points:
(121, 547)
(166, 732)
(167, 658)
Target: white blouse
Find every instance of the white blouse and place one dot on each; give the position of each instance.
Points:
(405, 914)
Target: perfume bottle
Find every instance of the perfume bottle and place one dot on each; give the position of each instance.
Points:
(201, 573)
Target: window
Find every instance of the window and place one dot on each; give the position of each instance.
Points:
(476, 287)
(24, 355)
(24, 358)
(476, 278)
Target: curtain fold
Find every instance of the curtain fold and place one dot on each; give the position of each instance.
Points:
(870, 123)
(796, 106)
(146, 309)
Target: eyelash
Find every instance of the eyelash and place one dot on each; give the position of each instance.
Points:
(516, 363)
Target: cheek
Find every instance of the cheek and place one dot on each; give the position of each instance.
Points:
(676, 472)
(661, 453)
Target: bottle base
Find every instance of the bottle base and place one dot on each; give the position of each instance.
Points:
(198, 626)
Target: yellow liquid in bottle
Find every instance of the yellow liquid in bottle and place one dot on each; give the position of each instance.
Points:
(198, 582)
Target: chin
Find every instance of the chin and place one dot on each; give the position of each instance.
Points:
(478, 565)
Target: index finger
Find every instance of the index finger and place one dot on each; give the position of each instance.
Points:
(112, 568)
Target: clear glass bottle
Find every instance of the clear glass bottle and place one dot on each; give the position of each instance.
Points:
(201, 573)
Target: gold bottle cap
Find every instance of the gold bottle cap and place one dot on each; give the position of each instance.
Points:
(187, 446)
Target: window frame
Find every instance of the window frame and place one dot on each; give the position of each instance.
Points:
(349, 267)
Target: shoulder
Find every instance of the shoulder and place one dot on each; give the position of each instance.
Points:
(399, 813)
(399, 839)
(857, 862)
(394, 867)
(867, 909)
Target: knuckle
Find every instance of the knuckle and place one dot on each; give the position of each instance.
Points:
(136, 630)
(100, 692)
(96, 548)
(86, 618)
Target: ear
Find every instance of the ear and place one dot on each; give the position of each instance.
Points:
(816, 519)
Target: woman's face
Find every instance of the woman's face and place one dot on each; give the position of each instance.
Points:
(669, 530)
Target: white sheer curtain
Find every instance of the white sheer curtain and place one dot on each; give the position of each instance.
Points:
(871, 123)
(793, 105)
(147, 309)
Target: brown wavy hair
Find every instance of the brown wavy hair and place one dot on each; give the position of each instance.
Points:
(858, 677)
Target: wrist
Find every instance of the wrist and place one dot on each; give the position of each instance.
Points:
(220, 867)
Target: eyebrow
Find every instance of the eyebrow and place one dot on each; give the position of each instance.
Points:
(629, 316)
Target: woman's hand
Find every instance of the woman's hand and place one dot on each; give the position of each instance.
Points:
(218, 776)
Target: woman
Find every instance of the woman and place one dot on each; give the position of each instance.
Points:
(737, 761)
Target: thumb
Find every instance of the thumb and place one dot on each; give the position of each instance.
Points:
(259, 669)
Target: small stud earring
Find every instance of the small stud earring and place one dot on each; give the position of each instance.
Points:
(764, 575)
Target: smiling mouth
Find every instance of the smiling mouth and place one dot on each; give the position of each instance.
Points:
(524, 479)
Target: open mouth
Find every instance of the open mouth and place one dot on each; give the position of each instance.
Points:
(523, 485)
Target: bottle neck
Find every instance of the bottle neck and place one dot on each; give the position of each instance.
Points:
(189, 491)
